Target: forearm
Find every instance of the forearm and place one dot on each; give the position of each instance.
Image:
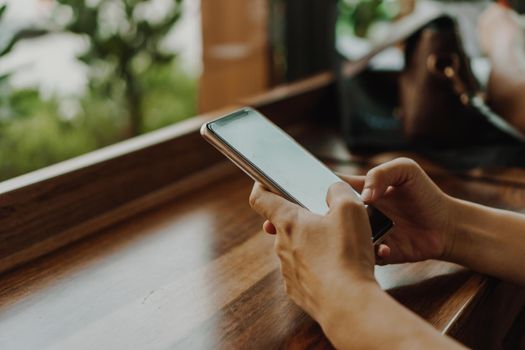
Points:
(371, 319)
(488, 240)
(507, 82)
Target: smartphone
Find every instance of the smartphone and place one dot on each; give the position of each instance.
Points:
(272, 157)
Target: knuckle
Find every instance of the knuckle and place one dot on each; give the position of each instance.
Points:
(375, 172)
(408, 162)
(278, 246)
(254, 199)
(280, 255)
(288, 227)
(348, 205)
(280, 249)
(289, 218)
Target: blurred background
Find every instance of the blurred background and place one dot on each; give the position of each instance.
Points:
(78, 75)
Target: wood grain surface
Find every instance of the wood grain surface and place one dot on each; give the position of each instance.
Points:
(198, 273)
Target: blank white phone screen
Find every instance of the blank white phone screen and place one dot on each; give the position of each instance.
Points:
(274, 153)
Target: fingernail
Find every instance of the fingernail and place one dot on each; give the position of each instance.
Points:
(366, 195)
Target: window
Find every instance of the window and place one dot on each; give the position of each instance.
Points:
(79, 75)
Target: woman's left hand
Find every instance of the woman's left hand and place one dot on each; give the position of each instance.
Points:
(322, 257)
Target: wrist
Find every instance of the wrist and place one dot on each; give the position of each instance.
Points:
(367, 317)
(455, 241)
(345, 307)
(450, 228)
(471, 221)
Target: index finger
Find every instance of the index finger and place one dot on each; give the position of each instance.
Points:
(271, 206)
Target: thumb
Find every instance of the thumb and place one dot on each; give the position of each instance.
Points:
(341, 195)
(394, 173)
(357, 182)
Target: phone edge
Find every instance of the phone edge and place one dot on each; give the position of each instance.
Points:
(238, 161)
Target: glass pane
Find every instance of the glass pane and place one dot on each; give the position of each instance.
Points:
(79, 75)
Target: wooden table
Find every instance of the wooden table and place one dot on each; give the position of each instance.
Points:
(152, 245)
(198, 273)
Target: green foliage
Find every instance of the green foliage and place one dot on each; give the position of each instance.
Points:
(38, 135)
(134, 87)
(359, 15)
(125, 41)
(170, 95)
(39, 139)
(25, 33)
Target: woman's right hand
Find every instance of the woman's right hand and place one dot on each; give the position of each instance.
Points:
(421, 212)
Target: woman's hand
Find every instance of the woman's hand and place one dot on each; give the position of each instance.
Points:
(323, 258)
(422, 213)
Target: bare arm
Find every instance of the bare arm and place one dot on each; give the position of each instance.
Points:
(490, 241)
(375, 321)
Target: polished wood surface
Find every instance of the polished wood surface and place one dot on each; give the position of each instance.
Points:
(198, 273)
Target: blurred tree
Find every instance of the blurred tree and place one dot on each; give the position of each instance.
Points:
(361, 14)
(25, 33)
(38, 135)
(3, 77)
(5, 49)
(129, 73)
(170, 95)
(120, 35)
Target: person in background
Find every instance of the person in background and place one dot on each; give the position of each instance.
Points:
(501, 34)
(328, 261)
